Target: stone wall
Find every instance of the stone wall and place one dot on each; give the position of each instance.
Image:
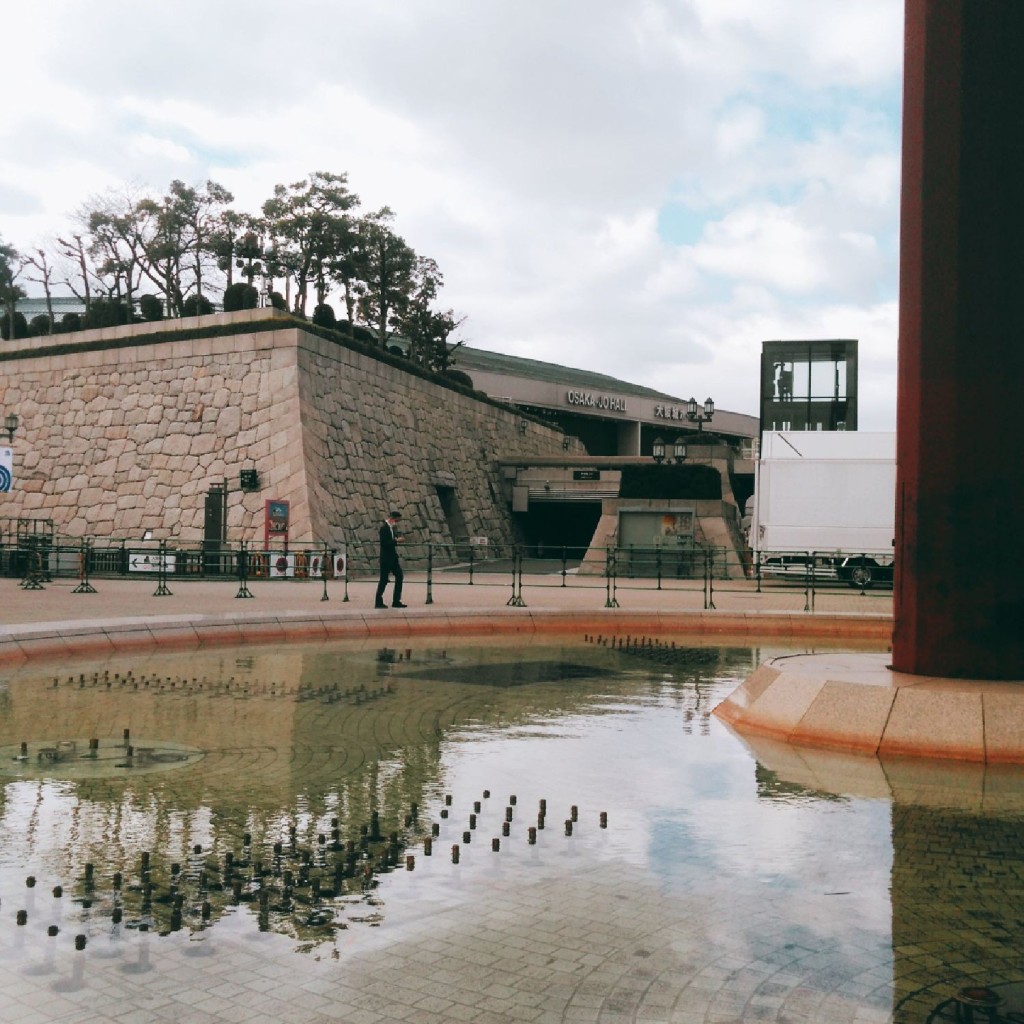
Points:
(123, 435)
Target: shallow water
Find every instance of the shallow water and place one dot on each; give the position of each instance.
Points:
(729, 880)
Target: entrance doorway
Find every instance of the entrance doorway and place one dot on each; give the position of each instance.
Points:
(215, 529)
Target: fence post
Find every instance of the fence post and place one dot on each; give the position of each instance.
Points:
(657, 564)
(564, 570)
(33, 571)
(471, 565)
(243, 571)
(808, 585)
(516, 600)
(84, 586)
(162, 590)
(323, 572)
(710, 554)
(430, 573)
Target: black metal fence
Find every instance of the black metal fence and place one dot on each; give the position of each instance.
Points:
(40, 556)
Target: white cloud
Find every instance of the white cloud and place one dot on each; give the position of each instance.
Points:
(527, 147)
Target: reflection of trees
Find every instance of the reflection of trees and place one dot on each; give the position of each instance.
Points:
(315, 763)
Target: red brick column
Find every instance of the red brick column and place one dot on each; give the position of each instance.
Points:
(959, 600)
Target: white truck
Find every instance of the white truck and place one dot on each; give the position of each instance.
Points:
(824, 505)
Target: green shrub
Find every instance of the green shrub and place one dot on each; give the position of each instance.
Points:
(151, 308)
(39, 326)
(240, 296)
(105, 313)
(323, 316)
(459, 377)
(196, 305)
(20, 326)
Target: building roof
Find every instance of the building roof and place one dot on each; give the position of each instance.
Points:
(469, 359)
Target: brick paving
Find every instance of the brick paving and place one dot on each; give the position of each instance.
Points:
(595, 940)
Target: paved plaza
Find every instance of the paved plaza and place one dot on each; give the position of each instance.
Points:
(864, 914)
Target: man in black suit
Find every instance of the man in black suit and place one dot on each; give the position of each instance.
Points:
(389, 564)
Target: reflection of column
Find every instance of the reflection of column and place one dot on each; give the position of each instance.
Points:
(959, 597)
(954, 920)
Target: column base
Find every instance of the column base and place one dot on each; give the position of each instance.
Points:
(856, 703)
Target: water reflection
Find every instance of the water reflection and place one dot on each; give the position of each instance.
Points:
(957, 876)
(741, 880)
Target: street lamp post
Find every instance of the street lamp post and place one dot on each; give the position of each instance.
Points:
(698, 415)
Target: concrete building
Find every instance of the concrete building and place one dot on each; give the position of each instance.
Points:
(610, 416)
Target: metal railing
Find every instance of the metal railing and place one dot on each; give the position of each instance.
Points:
(613, 572)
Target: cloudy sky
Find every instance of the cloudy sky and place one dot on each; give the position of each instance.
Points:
(645, 188)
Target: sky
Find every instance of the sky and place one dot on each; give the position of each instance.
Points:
(644, 188)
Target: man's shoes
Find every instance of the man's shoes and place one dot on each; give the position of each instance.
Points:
(398, 604)
(380, 604)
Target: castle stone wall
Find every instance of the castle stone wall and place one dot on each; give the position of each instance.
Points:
(116, 441)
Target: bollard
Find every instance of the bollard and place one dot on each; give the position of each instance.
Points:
(495, 844)
(531, 833)
(476, 806)
(505, 828)
(604, 819)
(472, 821)
(428, 846)
(568, 826)
(455, 854)
(508, 813)
(80, 942)
(435, 829)
(467, 837)
(574, 813)
(410, 862)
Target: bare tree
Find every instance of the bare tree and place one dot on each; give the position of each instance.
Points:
(39, 261)
(73, 249)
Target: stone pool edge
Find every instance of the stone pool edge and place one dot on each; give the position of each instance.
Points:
(55, 640)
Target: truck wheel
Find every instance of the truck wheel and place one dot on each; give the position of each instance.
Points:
(861, 575)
